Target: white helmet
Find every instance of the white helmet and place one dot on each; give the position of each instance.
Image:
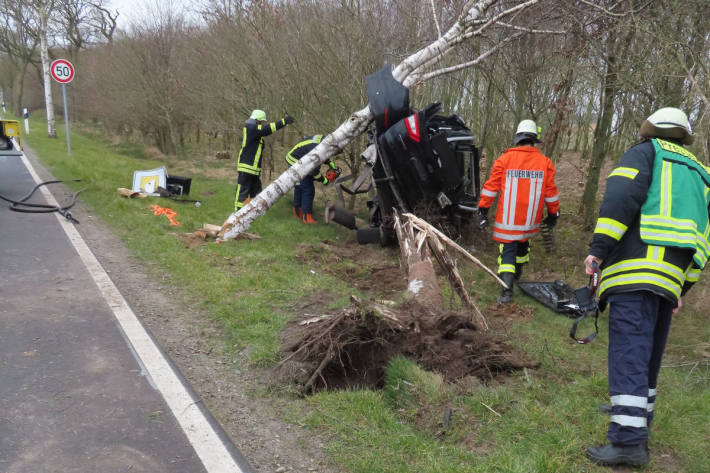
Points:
(259, 115)
(668, 122)
(527, 130)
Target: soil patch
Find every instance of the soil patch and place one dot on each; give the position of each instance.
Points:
(374, 272)
(352, 347)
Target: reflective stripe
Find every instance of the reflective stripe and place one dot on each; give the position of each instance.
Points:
(537, 183)
(238, 205)
(506, 198)
(655, 280)
(611, 228)
(652, 392)
(503, 226)
(506, 236)
(684, 224)
(629, 421)
(272, 125)
(656, 253)
(624, 172)
(677, 237)
(488, 193)
(522, 259)
(506, 268)
(629, 401)
(531, 198)
(693, 275)
(666, 186)
(552, 199)
(643, 265)
(649, 406)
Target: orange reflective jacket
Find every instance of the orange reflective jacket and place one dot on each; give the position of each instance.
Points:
(524, 177)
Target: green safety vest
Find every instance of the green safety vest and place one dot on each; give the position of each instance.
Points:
(675, 213)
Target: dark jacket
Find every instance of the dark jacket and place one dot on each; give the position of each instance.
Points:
(301, 149)
(630, 264)
(249, 160)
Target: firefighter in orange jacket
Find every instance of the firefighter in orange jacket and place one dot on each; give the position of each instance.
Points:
(525, 179)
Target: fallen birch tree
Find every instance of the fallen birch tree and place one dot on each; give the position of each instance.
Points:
(416, 68)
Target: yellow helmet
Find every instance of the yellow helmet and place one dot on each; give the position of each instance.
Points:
(259, 115)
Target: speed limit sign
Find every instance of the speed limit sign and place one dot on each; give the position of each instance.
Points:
(62, 71)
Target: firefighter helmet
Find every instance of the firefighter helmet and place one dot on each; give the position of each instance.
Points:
(668, 122)
(527, 130)
(258, 115)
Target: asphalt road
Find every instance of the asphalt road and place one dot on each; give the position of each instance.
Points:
(83, 388)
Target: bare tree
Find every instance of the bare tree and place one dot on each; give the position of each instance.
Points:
(19, 42)
(472, 23)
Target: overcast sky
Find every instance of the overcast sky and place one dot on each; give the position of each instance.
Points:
(131, 11)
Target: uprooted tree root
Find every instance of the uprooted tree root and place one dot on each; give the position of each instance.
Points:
(352, 347)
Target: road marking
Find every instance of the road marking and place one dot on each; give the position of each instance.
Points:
(208, 445)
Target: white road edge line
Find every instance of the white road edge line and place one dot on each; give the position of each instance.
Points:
(207, 444)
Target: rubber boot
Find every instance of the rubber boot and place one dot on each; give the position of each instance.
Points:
(506, 294)
(297, 213)
(610, 454)
(308, 218)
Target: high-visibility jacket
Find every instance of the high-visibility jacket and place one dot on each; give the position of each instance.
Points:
(525, 179)
(654, 223)
(249, 160)
(304, 147)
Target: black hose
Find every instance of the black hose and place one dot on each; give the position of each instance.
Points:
(28, 207)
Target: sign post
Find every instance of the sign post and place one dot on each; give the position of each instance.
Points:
(26, 116)
(63, 72)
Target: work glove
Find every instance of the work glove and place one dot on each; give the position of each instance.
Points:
(482, 217)
(325, 181)
(288, 120)
(551, 220)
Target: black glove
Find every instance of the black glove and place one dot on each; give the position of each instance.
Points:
(551, 220)
(482, 217)
(288, 120)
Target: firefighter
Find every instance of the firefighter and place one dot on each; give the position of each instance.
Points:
(525, 179)
(651, 243)
(249, 161)
(305, 191)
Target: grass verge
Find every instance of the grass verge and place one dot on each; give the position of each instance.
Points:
(534, 421)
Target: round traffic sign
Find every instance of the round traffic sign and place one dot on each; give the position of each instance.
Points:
(62, 71)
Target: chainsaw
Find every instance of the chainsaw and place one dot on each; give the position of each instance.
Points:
(332, 174)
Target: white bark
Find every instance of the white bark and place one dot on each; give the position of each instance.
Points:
(43, 10)
(408, 72)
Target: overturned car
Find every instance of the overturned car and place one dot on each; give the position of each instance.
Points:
(419, 161)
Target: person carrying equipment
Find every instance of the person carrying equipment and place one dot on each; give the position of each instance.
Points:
(525, 179)
(305, 191)
(249, 161)
(651, 243)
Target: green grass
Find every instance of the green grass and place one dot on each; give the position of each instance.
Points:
(534, 421)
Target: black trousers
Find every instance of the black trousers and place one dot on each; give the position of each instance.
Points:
(248, 185)
(513, 256)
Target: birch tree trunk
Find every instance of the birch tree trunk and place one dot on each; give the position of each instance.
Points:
(408, 72)
(43, 10)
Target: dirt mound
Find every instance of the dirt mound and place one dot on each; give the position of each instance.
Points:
(352, 347)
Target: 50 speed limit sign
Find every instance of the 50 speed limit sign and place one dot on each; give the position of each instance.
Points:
(62, 71)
